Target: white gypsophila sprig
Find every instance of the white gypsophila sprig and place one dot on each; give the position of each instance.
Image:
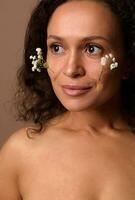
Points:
(104, 63)
(37, 61)
(106, 58)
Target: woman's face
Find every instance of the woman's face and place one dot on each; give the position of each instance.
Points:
(79, 34)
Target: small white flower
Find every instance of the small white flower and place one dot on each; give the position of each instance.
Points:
(31, 57)
(38, 70)
(33, 62)
(40, 56)
(103, 61)
(107, 56)
(111, 56)
(37, 61)
(116, 64)
(114, 59)
(113, 65)
(38, 50)
(33, 68)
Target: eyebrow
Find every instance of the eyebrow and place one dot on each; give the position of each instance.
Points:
(93, 37)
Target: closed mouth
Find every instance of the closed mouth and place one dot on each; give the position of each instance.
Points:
(75, 90)
(76, 87)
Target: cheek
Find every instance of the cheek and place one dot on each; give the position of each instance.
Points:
(111, 83)
(55, 68)
(93, 69)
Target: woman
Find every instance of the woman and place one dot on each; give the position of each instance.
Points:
(77, 85)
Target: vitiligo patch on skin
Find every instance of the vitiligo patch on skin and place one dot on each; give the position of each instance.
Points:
(112, 59)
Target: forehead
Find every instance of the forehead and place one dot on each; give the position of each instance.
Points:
(84, 17)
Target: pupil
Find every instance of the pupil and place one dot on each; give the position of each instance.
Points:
(56, 48)
(91, 49)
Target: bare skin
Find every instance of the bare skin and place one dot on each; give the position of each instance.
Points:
(89, 152)
(67, 164)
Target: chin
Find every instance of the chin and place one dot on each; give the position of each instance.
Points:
(76, 106)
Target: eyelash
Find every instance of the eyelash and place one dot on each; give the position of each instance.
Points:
(51, 46)
(93, 46)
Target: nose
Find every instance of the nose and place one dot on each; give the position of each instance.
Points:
(74, 67)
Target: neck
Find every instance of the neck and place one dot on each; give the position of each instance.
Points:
(106, 117)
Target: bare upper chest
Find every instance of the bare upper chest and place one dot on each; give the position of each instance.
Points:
(78, 171)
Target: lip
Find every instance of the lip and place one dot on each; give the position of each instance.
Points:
(75, 90)
(75, 87)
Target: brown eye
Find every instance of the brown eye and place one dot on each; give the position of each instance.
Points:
(93, 49)
(56, 48)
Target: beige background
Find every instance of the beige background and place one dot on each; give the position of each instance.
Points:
(14, 16)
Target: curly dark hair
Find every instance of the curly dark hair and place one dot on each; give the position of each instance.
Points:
(37, 101)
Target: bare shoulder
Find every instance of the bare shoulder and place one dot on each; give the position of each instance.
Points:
(17, 156)
(10, 165)
(13, 144)
(21, 147)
